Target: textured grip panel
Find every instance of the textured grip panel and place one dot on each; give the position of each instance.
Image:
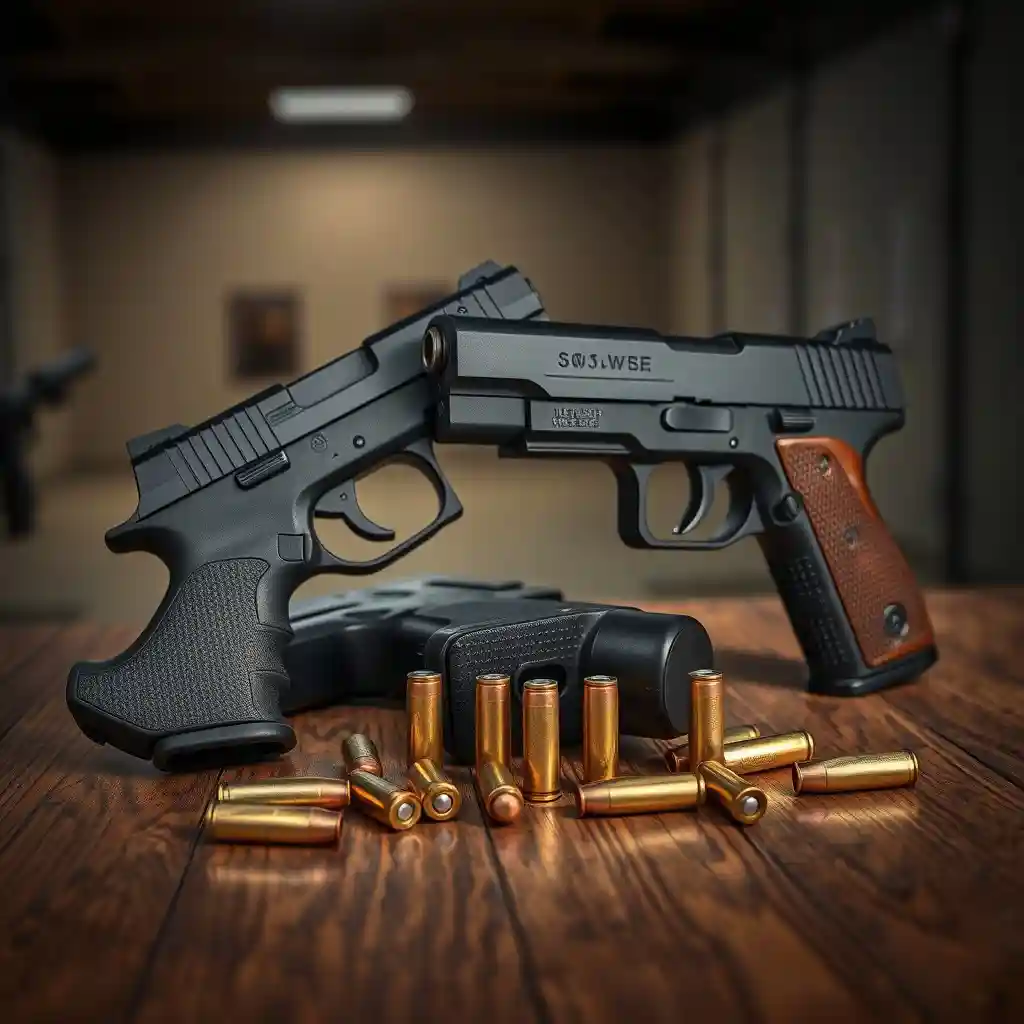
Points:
(506, 648)
(206, 661)
(867, 567)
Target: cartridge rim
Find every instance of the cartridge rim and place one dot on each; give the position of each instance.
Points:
(702, 789)
(401, 800)
(601, 681)
(223, 790)
(759, 795)
(798, 778)
(915, 767)
(810, 743)
(493, 678)
(435, 790)
(706, 675)
(424, 674)
(540, 684)
(579, 797)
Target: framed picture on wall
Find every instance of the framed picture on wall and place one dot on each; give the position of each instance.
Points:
(402, 300)
(263, 333)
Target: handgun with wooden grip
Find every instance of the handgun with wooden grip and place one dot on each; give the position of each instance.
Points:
(785, 424)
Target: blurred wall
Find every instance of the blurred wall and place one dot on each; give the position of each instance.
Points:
(155, 242)
(874, 212)
(36, 325)
(993, 412)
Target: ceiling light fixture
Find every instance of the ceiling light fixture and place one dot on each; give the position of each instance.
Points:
(356, 104)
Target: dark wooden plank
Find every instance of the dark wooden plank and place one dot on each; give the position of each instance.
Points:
(389, 927)
(42, 672)
(92, 847)
(662, 916)
(19, 644)
(973, 696)
(922, 886)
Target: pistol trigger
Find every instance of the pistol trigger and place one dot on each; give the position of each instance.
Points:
(342, 503)
(704, 482)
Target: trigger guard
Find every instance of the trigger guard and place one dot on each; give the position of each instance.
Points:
(343, 504)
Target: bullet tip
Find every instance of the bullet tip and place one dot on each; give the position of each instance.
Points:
(505, 807)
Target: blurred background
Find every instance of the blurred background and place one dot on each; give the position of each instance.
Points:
(691, 166)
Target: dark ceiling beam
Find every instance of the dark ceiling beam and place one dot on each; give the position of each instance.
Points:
(523, 58)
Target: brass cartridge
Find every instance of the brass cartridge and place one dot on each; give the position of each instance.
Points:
(493, 719)
(707, 717)
(744, 802)
(261, 823)
(766, 752)
(295, 792)
(600, 728)
(360, 754)
(640, 794)
(502, 799)
(439, 797)
(677, 758)
(865, 771)
(384, 801)
(541, 752)
(423, 707)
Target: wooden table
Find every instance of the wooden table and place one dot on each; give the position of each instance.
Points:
(902, 905)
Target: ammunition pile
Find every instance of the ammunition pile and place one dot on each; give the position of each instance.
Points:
(307, 811)
(709, 763)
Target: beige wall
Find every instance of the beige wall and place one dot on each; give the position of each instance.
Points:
(757, 270)
(155, 242)
(689, 225)
(876, 223)
(36, 284)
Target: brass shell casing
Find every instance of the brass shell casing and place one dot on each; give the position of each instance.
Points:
(360, 754)
(744, 802)
(423, 707)
(541, 750)
(768, 752)
(502, 798)
(385, 802)
(332, 794)
(262, 823)
(866, 771)
(640, 794)
(493, 719)
(677, 758)
(600, 728)
(707, 717)
(439, 797)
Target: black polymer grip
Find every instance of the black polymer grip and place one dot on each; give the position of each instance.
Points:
(201, 685)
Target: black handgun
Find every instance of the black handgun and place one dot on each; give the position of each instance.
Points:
(359, 645)
(228, 506)
(785, 423)
(47, 385)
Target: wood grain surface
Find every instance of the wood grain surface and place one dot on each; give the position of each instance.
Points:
(905, 905)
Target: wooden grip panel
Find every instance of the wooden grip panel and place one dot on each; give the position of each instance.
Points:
(883, 604)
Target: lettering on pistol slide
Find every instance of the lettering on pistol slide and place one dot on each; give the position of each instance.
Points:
(569, 417)
(609, 363)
